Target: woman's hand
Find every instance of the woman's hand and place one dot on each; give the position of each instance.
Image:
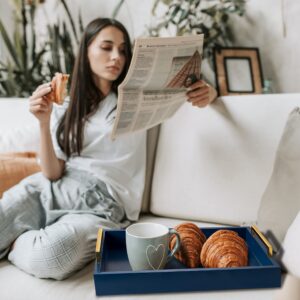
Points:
(40, 107)
(201, 93)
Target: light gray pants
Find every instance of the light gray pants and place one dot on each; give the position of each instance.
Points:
(54, 225)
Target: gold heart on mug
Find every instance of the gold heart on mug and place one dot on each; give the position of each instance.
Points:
(153, 255)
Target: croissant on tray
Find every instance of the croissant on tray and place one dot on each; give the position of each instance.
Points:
(191, 241)
(224, 249)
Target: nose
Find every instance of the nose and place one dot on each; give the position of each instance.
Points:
(115, 54)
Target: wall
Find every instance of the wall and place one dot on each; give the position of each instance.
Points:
(262, 28)
(279, 51)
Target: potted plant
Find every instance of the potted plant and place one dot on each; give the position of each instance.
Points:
(210, 17)
(30, 61)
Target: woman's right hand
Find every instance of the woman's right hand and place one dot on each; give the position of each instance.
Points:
(40, 107)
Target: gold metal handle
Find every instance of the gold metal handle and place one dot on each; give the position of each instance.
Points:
(98, 244)
(263, 239)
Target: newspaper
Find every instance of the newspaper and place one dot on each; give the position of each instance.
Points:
(155, 86)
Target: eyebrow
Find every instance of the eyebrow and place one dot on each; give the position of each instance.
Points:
(111, 42)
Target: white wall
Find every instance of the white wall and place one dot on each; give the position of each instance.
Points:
(261, 27)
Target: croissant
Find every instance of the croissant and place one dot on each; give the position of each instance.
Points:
(224, 249)
(58, 88)
(191, 241)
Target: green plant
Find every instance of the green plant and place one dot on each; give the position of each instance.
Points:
(63, 42)
(209, 17)
(117, 9)
(23, 67)
(31, 63)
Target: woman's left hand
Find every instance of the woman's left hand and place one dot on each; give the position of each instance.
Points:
(201, 93)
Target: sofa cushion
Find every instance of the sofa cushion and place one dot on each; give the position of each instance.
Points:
(291, 248)
(18, 128)
(14, 167)
(152, 138)
(171, 222)
(213, 164)
(281, 199)
(81, 286)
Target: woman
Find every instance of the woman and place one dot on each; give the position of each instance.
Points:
(49, 221)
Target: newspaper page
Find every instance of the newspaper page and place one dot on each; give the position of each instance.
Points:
(155, 86)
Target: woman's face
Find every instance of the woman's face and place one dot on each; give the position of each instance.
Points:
(106, 56)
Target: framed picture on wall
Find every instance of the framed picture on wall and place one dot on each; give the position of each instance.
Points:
(238, 71)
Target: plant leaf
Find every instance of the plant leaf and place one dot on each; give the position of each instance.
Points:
(9, 45)
(70, 19)
(117, 9)
(81, 27)
(37, 60)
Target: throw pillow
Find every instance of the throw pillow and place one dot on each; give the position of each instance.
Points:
(281, 200)
(14, 167)
(291, 248)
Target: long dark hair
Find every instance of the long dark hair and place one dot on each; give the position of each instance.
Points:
(84, 94)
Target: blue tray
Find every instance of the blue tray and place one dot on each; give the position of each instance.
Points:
(113, 274)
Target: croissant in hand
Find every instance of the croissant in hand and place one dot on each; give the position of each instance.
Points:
(58, 88)
(224, 249)
(191, 241)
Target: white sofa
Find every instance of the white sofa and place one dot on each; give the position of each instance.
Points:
(211, 166)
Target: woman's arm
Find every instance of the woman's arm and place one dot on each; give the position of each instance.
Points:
(51, 166)
(201, 94)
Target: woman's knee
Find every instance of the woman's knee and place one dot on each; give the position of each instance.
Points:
(51, 255)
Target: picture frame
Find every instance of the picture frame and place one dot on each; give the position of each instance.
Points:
(238, 71)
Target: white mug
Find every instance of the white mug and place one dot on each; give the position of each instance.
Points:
(147, 245)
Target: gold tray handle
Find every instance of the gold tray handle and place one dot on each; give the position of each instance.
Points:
(98, 244)
(263, 239)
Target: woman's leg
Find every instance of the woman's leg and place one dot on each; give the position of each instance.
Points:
(59, 249)
(21, 210)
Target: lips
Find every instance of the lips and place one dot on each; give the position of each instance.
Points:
(113, 69)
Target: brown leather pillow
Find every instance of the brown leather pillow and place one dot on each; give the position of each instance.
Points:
(14, 167)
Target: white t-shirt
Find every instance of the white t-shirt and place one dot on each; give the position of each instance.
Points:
(120, 163)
